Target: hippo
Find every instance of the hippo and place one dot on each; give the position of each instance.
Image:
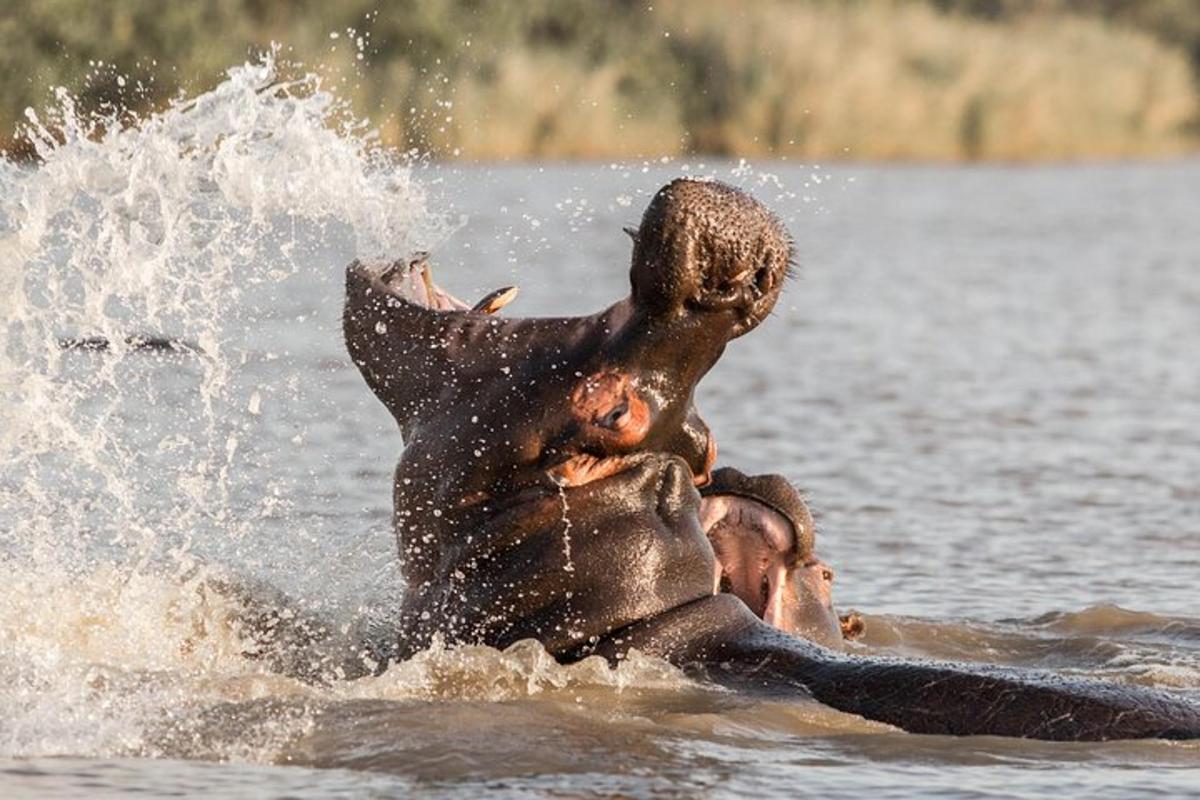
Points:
(550, 487)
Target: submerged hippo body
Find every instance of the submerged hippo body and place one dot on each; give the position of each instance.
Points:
(548, 490)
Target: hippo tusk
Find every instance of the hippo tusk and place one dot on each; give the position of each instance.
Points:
(494, 301)
(420, 259)
(426, 276)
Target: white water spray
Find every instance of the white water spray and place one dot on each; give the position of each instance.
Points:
(191, 224)
(128, 475)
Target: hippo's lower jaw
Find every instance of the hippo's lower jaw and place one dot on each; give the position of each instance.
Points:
(724, 641)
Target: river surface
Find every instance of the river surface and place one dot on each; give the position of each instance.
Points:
(986, 379)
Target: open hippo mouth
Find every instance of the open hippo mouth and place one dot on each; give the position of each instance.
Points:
(764, 539)
(708, 265)
(413, 281)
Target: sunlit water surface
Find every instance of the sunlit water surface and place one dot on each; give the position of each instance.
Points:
(986, 379)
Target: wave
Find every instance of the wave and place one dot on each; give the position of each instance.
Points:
(1103, 641)
(1112, 620)
(114, 663)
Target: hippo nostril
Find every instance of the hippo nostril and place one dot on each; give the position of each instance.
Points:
(762, 278)
(765, 589)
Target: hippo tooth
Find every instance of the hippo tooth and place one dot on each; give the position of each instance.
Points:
(494, 301)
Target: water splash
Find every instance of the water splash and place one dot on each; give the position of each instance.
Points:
(569, 566)
(126, 470)
(522, 670)
(189, 223)
(146, 665)
(165, 534)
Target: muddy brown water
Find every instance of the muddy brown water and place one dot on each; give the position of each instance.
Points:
(985, 378)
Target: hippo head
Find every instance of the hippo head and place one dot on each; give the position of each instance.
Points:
(706, 248)
(708, 264)
(525, 437)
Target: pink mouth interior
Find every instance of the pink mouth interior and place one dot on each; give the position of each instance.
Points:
(414, 282)
(754, 546)
(757, 559)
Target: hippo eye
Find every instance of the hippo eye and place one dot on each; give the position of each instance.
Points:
(613, 417)
(765, 589)
(827, 575)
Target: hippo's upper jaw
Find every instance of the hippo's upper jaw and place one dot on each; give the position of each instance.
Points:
(708, 264)
(608, 384)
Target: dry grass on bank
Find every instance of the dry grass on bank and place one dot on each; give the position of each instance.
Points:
(848, 81)
(485, 79)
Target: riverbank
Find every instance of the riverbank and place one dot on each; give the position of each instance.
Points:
(872, 80)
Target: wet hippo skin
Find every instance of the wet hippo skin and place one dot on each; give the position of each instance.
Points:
(719, 638)
(548, 487)
(529, 440)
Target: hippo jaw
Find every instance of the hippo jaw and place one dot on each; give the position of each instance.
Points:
(705, 248)
(414, 342)
(566, 564)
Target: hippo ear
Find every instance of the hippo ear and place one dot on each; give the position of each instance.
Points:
(632, 232)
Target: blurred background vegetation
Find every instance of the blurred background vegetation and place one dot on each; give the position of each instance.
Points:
(485, 79)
